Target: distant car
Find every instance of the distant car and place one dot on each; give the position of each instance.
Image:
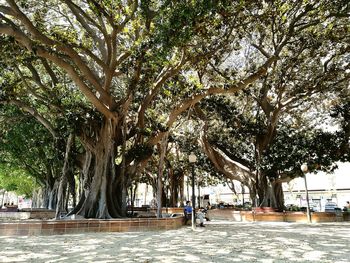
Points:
(315, 207)
(304, 209)
(330, 207)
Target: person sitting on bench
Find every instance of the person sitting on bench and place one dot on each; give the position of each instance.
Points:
(187, 211)
(188, 214)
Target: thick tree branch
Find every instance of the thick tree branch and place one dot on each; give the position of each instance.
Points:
(262, 51)
(78, 81)
(186, 104)
(231, 169)
(49, 70)
(161, 79)
(75, 57)
(76, 78)
(36, 115)
(215, 90)
(84, 19)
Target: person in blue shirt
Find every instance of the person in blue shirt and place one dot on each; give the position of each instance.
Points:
(188, 214)
(187, 211)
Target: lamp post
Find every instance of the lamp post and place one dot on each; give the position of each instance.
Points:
(304, 169)
(192, 159)
(199, 180)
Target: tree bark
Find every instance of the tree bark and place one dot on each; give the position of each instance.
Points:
(62, 189)
(162, 150)
(102, 187)
(268, 193)
(279, 195)
(46, 196)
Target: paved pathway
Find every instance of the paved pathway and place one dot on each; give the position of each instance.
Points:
(218, 242)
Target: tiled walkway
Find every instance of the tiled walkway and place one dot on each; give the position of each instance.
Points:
(219, 241)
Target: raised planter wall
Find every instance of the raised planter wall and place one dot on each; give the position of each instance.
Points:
(56, 227)
(41, 213)
(251, 216)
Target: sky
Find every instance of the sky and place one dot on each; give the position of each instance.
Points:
(340, 179)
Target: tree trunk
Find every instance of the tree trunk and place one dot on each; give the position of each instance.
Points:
(182, 188)
(62, 189)
(102, 194)
(162, 150)
(279, 195)
(270, 194)
(2, 200)
(176, 186)
(45, 197)
(242, 192)
(133, 191)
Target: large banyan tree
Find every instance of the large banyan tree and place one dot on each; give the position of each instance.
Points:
(269, 130)
(124, 57)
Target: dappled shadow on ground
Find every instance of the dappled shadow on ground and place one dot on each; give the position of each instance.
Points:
(217, 242)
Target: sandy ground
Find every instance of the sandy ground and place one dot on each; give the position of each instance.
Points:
(219, 241)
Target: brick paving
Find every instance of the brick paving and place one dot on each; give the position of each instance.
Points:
(219, 241)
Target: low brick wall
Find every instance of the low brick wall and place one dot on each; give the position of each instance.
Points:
(317, 217)
(227, 214)
(56, 227)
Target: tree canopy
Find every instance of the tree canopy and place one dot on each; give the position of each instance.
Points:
(111, 81)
